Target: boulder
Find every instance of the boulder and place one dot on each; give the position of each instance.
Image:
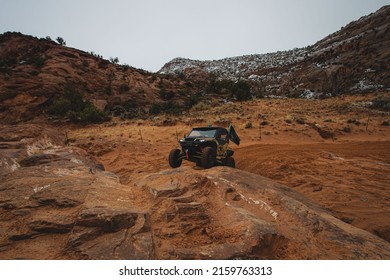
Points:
(60, 193)
(110, 220)
(234, 214)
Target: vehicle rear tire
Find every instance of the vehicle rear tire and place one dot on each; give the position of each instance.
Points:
(231, 162)
(174, 160)
(208, 157)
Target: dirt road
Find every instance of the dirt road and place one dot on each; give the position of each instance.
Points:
(351, 179)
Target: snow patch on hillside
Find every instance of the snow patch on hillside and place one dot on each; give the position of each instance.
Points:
(234, 68)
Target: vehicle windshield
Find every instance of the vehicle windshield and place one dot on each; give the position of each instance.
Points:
(202, 133)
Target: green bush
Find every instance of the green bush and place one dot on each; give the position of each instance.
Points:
(125, 67)
(37, 61)
(90, 114)
(168, 107)
(166, 95)
(381, 102)
(72, 105)
(201, 106)
(60, 107)
(242, 91)
(75, 97)
(220, 86)
(124, 88)
(85, 63)
(114, 60)
(155, 109)
(61, 41)
(172, 108)
(192, 100)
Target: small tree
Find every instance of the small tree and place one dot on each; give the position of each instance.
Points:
(61, 41)
(114, 60)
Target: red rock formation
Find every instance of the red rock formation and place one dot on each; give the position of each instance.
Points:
(56, 202)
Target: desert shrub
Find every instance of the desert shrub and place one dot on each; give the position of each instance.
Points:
(155, 109)
(114, 60)
(9, 61)
(168, 107)
(37, 61)
(103, 64)
(166, 95)
(130, 104)
(125, 67)
(346, 129)
(124, 88)
(381, 102)
(85, 63)
(221, 86)
(133, 113)
(61, 41)
(153, 78)
(72, 94)
(90, 114)
(201, 106)
(72, 105)
(354, 121)
(242, 91)
(192, 100)
(249, 125)
(172, 108)
(60, 107)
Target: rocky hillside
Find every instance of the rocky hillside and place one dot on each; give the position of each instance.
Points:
(34, 72)
(354, 59)
(57, 202)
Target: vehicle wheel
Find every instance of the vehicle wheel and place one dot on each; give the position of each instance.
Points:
(208, 157)
(174, 160)
(231, 162)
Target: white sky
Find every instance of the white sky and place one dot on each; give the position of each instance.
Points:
(148, 33)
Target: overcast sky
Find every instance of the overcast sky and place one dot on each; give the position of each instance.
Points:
(148, 33)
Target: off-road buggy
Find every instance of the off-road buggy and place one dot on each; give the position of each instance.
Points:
(206, 146)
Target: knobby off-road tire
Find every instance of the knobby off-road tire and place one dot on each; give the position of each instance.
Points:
(230, 162)
(173, 158)
(208, 157)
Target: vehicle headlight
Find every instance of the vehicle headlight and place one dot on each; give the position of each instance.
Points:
(182, 140)
(202, 140)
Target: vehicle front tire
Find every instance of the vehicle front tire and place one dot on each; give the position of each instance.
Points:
(208, 157)
(230, 162)
(174, 160)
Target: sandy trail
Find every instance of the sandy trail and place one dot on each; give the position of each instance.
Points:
(350, 179)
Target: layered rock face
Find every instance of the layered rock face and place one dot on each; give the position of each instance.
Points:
(57, 202)
(225, 213)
